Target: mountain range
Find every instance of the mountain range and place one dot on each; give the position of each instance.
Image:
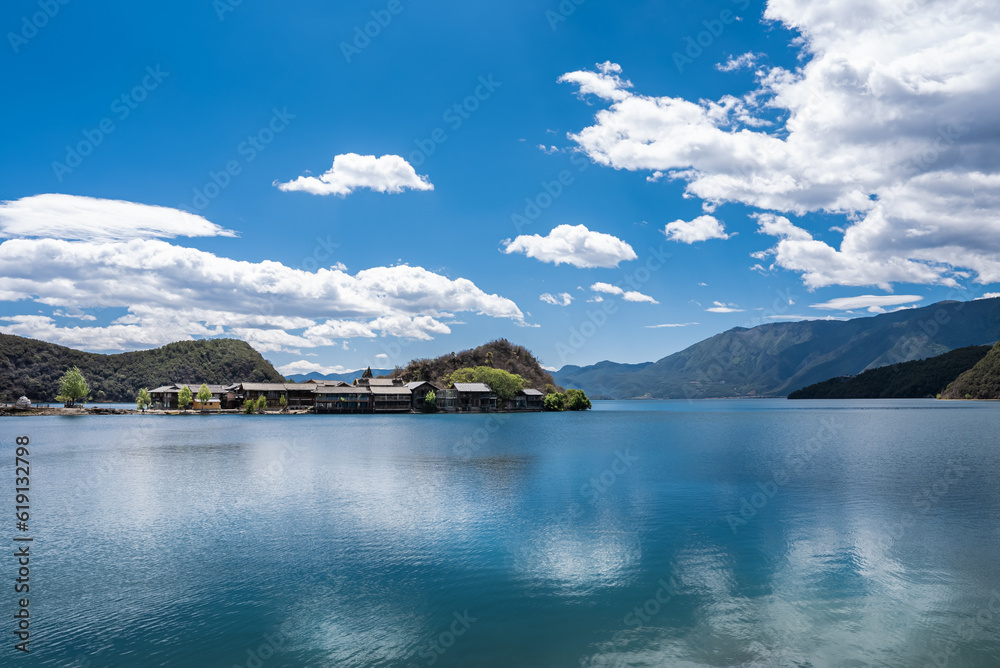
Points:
(778, 358)
(347, 376)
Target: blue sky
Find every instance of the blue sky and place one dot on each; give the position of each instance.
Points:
(705, 149)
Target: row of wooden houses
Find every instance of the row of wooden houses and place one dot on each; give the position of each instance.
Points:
(366, 395)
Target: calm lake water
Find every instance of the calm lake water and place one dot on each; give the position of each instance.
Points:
(714, 533)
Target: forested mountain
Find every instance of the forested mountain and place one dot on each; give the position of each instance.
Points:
(980, 382)
(499, 354)
(907, 380)
(33, 368)
(779, 358)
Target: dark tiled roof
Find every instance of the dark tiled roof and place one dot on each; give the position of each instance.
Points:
(472, 387)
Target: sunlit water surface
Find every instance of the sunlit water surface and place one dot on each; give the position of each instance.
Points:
(713, 533)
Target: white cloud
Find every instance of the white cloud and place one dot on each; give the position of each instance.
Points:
(305, 366)
(57, 216)
(605, 83)
(671, 324)
(575, 245)
(701, 228)
(743, 61)
(989, 295)
(629, 296)
(874, 303)
(350, 172)
(633, 296)
(889, 122)
(561, 299)
(161, 292)
(382, 356)
(607, 289)
(724, 308)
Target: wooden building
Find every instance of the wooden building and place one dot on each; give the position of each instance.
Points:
(526, 400)
(475, 398)
(419, 390)
(343, 399)
(391, 398)
(165, 397)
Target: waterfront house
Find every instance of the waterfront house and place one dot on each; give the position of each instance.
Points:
(475, 398)
(343, 399)
(166, 396)
(419, 390)
(391, 398)
(526, 400)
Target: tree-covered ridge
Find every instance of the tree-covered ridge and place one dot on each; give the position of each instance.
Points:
(499, 354)
(982, 381)
(33, 368)
(907, 380)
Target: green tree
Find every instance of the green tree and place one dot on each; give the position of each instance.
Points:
(249, 406)
(261, 403)
(184, 398)
(576, 400)
(283, 401)
(73, 387)
(204, 395)
(554, 401)
(503, 383)
(430, 402)
(143, 401)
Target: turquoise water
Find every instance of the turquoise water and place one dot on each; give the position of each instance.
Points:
(713, 533)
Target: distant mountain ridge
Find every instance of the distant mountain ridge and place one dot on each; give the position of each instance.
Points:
(906, 380)
(32, 368)
(347, 376)
(778, 358)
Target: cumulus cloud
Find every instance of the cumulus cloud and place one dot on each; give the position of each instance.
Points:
(888, 122)
(561, 299)
(720, 307)
(874, 303)
(57, 216)
(157, 292)
(701, 228)
(575, 245)
(350, 172)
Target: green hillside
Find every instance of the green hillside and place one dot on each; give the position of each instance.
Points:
(908, 380)
(499, 354)
(778, 358)
(33, 368)
(980, 382)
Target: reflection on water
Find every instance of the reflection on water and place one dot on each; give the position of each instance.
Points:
(714, 533)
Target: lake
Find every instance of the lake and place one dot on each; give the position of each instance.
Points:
(710, 533)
